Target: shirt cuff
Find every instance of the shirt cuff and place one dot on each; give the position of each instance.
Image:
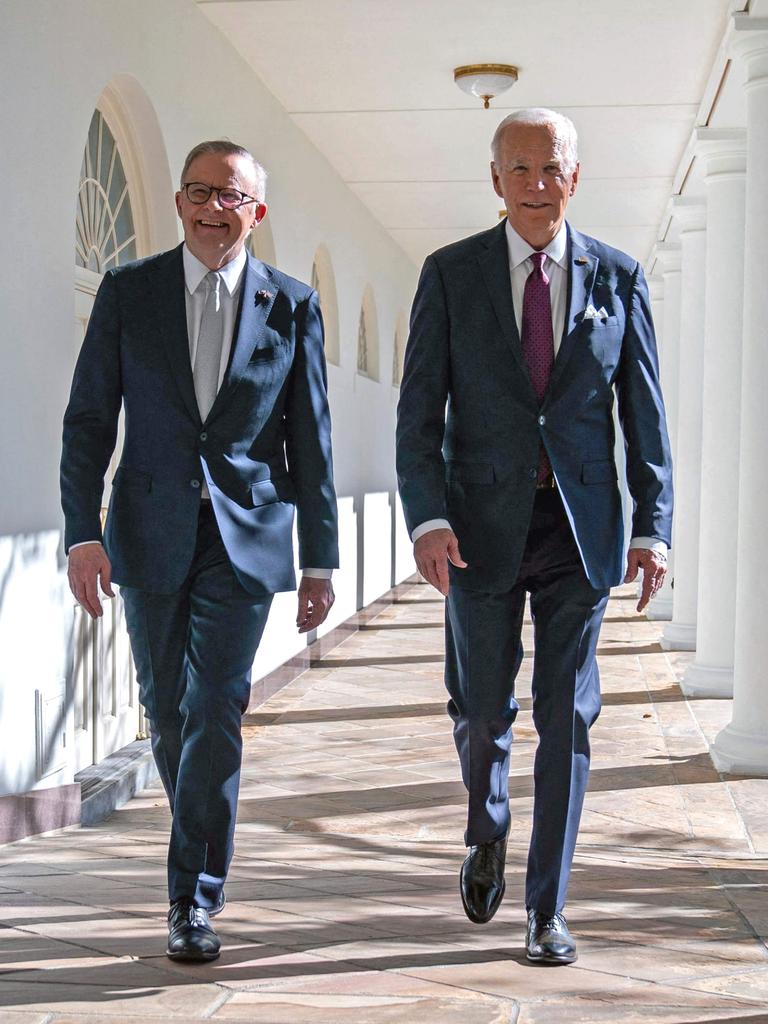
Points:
(649, 542)
(431, 524)
(82, 544)
(317, 574)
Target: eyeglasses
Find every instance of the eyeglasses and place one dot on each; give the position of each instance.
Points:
(229, 198)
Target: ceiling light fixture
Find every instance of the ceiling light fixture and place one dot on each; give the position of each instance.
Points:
(485, 80)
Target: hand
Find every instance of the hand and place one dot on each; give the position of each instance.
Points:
(315, 600)
(87, 565)
(433, 551)
(654, 566)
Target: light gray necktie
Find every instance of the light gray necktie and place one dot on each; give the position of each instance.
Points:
(209, 343)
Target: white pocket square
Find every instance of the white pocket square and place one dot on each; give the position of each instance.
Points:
(590, 313)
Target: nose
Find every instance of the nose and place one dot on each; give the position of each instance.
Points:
(534, 182)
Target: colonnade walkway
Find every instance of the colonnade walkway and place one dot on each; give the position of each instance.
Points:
(343, 901)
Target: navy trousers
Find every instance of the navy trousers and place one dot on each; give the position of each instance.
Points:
(483, 656)
(193, 652)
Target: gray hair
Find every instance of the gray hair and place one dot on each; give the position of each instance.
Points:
(565, 132)
(230, 149)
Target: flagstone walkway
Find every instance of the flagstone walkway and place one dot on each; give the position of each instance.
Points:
(343, 903)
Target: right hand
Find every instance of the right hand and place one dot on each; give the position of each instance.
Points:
(433, 551)
(87, 565)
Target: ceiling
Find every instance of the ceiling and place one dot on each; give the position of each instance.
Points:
(370, 82)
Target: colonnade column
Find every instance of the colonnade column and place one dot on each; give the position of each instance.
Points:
(725, 155)
(680, 633)
(667, 256)
(743, 745)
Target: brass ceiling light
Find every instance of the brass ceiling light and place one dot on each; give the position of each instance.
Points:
(485, 80)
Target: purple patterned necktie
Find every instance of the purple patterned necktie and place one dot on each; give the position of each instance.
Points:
(538, 339)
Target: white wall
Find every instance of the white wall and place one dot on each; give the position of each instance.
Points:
(171, 70)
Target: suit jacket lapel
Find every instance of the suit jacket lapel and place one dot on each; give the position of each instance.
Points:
(168, 285)
(494, 263)
(582, 270)
(257, 296)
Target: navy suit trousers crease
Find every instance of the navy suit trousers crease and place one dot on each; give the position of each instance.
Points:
(193, 651)
(484, 653)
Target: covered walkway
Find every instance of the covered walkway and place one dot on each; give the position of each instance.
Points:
(343, 901)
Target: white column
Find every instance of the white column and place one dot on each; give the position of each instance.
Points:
(680, 633)
(724, 153)
(743, 745)
(667, 255)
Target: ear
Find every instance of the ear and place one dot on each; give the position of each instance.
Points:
(178, 203)
(496, 181)
(259, 214)
(574, 179)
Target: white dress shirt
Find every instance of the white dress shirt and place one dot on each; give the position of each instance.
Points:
(194, 298)
(556, 269)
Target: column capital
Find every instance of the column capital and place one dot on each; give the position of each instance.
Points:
(722, 150)
(690, 212)
(667, 256)
(749, 41)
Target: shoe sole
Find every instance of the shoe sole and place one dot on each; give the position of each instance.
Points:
(470, 913)
(553, 961)
(198, 958)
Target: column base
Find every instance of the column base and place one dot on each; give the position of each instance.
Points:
(679, 637)
(740, 753)
(660, 609)
(707, 681)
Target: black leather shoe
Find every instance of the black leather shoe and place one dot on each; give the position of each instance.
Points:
(221, 902)
(548, 940)
(482, 882)
(190, 935)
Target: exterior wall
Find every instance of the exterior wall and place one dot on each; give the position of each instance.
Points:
(168, 70)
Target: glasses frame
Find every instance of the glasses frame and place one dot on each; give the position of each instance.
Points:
(245, 199)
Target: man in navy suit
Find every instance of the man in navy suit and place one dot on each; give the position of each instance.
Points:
(521, 339)
(217, 360)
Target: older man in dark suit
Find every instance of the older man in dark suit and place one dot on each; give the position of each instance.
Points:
(521, 339)
(218, 362)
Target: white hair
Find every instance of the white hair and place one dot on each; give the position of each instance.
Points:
(565, 132)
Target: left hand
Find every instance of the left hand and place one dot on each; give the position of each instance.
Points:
(654, 566)
(315, 600)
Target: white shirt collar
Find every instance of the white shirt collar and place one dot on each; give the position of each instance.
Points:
(195, 271)
(520, 250)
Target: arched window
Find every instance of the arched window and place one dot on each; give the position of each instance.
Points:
(368, 337)
(398, 354)
(105, 234)
(324, 283)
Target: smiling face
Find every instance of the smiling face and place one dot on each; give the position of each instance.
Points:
(212, 233)
(532, 178)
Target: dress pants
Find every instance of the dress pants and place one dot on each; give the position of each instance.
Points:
(483, 656)
(193, 652)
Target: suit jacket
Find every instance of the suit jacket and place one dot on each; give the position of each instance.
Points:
(470, 426)
(264, 449)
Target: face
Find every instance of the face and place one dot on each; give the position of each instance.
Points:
(531, 179)
(212, 233)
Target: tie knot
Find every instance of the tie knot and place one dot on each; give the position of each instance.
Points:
(538, 258)
(213, 282)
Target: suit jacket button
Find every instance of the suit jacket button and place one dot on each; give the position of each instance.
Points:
(194, 483)
(542, 420)
(203, 436)
(533, 473)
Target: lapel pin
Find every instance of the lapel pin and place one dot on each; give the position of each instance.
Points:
(262, 295)
(581, 260)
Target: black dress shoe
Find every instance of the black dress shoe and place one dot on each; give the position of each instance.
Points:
(211, 897)
(482, 882)
(190, 935)
(221, 902)
(549, 940)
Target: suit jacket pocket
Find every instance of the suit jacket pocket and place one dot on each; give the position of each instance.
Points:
(266, 492)
(470, 472)
(266, 353)
(125, 476)
(601, 471)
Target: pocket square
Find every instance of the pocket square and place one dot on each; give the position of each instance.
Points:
(590, 313)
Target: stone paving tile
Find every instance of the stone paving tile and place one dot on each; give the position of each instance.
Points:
(343, 899)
